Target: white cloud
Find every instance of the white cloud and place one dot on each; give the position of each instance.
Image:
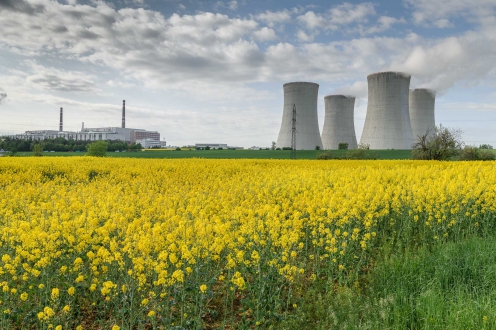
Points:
(384, 23)
(337, 16)
(233, 5)
(59, 80)
(265, 34)
(190, 51)
(273, 18)
(302, 36)
(438, 12)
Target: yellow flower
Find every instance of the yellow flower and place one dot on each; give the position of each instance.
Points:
(55, 294)
(24, 296)
(71, 291)
(66, 309)
(79, 279)
(203, 288)
(58, 327)
(144, 302)
(116, 327)
(151, 313)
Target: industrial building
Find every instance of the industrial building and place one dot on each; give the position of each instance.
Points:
(421, 103)
(122, 133)
(303, 96)
(339, 126)
(387, 123)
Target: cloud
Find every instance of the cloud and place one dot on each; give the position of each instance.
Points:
(357, 89)
(302, 36)
(265, 34)
(438, 12)
(337, 16)
(274, 18)
(21, 6)
(233, 5)
(59, 80)
(3, 96)
(189, 52)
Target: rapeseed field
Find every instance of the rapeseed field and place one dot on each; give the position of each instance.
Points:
(91, 243)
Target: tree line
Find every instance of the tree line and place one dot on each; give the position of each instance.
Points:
(62, 144)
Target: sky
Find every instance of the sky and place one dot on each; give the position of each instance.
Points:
(212, 71)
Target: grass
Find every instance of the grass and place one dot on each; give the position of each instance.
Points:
(228, 154)
(450, 286)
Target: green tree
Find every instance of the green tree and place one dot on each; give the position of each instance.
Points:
(38, 150)
(97, 149)
(444, 144)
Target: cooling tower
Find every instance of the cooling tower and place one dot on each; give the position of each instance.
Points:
(387, 123)
(422, 112)
(339, 126)
(304, 95)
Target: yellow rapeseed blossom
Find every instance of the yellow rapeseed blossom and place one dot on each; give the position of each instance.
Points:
(114, 228)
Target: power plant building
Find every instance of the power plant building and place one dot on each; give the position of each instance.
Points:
(422, 103)
(303, 96)
(387, 123)
(339, 126)
(122, 133)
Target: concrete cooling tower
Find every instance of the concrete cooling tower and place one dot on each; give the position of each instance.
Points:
(387, 123)
(304, 95)
(339, 125)
(422, 103)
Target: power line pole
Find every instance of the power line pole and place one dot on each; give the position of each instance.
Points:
(293, 134)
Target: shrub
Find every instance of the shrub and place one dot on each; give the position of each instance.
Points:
(470, 153)
(486, 154)
(179, 149)
(343, 146)
(97, 149)
(317, 147)
(360, 154)
(444, 144)
(326, 155)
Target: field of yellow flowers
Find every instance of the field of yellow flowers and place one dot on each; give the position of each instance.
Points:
(91, 243)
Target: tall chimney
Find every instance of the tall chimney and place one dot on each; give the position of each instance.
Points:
(61, 124)
(123, 113)
(82, 127)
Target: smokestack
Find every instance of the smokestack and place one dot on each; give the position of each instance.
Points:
(61, 124)
(123, 113)
(82, 127)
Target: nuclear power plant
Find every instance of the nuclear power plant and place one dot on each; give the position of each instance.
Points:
(339, 126)
(303, 96)
(387, 123)
(422, 102)
(395, 117)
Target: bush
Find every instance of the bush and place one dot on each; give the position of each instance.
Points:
(474, 153)
(343, 146)
(97, 149)
(326, 155)
(317, 147)
(470, 153)
(287, 148)
(360, 154)
(486, 154)
(444, 144)
(179, 149)
(485, 146)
